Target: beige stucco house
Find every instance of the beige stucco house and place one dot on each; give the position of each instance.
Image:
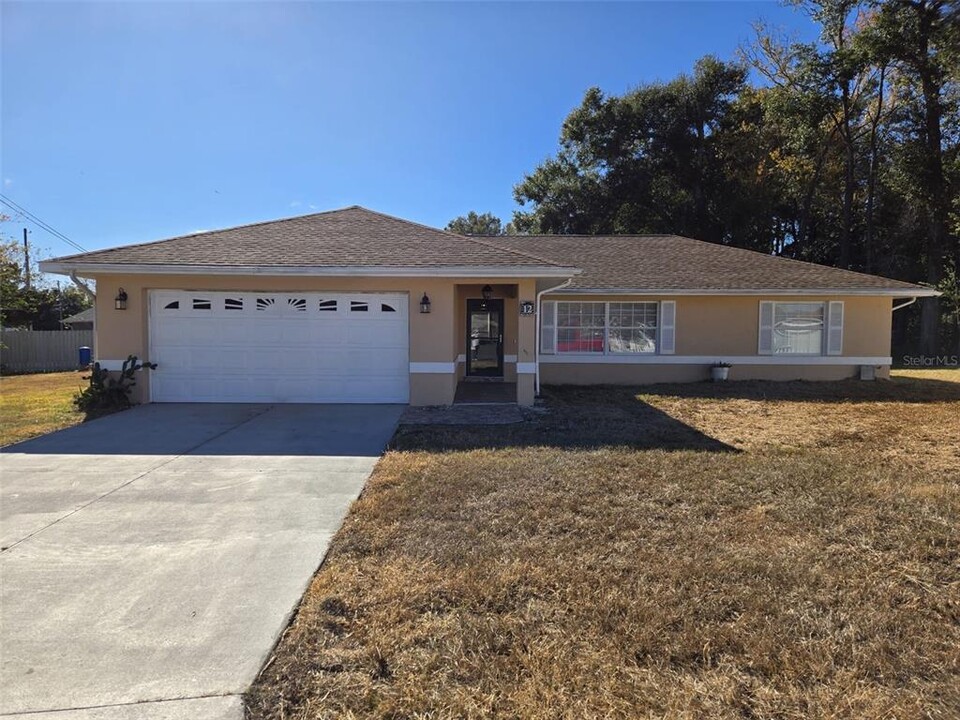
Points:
(356, 306)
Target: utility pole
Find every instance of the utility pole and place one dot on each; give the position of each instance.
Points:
(26, 260)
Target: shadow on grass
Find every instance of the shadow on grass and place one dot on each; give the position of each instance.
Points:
(897, 389)
(572, 417)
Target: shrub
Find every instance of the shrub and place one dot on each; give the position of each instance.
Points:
(108, 391)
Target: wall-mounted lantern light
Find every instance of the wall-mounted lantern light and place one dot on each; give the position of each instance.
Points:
(424, 304)
(120, 301)
(487, 292)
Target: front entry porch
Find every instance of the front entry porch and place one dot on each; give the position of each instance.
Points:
(494, 342)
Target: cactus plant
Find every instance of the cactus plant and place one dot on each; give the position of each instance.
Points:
(109, 391)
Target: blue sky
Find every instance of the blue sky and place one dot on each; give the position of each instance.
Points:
(127, 122)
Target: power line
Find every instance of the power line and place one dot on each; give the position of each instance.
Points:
(39, 223)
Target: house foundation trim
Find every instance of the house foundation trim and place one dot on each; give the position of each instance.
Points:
(575, 359)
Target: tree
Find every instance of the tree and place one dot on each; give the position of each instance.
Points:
(40, 307)
(846, 153)
(474, 224)
(828, 99)
(652, 160)
(12, 299)
(921, 40)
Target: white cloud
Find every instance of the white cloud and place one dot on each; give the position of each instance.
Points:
(7, 182)
(294, 203)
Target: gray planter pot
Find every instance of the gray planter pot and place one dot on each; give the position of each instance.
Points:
(719, 374)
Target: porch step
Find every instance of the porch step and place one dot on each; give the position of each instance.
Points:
(486, 394)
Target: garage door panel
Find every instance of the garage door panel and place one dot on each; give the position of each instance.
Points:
(278, 347)
(374, 334)
(168, 334)
(331, 361)
(390, 359)
(170, 357)
(234, 332)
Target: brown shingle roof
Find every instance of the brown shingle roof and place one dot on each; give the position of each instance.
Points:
(351, 237)
(355, 237)
(671, 262)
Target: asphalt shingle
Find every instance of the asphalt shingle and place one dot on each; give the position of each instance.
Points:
(357, 237)
(672, 262)
(350, 237)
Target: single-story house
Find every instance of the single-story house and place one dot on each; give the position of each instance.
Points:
(83, 320)
(355, 306)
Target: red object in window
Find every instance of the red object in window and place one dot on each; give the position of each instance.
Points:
(589, 344)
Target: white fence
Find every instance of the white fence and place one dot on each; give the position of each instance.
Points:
(42, 350)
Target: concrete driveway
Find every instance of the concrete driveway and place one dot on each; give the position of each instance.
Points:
(151, 558)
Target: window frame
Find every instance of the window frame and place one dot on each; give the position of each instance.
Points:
(556, 327)
(824, 327)
(656, 329)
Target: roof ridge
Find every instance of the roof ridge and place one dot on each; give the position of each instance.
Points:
(794, 261)
(736, 248)
(460, 236)
(607, 236)
(508, 252)
(211, 232)
(408, 222)
(530, 256)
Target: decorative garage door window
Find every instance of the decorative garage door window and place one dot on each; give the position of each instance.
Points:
(229, 346)
(207, 304)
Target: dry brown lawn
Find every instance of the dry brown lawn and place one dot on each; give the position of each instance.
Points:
(32, 405)
(742, 550)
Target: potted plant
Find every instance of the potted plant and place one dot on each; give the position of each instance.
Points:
(720, 371)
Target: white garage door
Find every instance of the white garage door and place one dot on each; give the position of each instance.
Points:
(278, 347)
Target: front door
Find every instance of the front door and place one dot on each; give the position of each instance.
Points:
(485, 338)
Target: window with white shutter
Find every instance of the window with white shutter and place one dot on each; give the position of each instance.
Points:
(668, 327)
(835, 327)
(548, 328)
(765, 346)
(602, 328)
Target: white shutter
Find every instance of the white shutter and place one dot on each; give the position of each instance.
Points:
(835, 327)
(548, 328)
(765, 345)
(668, 327)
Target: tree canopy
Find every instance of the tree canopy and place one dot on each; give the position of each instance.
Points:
(476, 224)
(845, 152)
(39, 307)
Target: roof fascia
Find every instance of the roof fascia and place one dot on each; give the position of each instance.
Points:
(890, 292)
